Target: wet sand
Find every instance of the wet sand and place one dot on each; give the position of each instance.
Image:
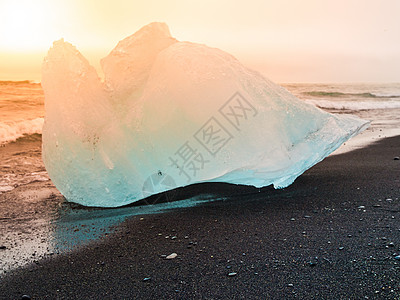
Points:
(333, 234)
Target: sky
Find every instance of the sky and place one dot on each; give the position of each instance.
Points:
(287, 41)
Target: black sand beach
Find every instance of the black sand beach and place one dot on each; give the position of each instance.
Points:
(333, 234)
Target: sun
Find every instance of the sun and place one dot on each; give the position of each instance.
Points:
(24, 24)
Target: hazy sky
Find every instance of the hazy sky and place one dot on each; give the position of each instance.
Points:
(288, 41)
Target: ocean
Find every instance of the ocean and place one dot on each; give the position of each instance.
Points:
(21, 109)
(22, 117)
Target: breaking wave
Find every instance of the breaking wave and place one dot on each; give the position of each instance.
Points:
(354, 105)
(11, 131)
(344, 95)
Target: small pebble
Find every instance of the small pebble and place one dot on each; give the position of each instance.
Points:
(232, 274)
(341, 248)
(397, 257)
(361, 207)
(146, 279)
(396, 158)
(3, 247)
(172, 256)
(26, 297)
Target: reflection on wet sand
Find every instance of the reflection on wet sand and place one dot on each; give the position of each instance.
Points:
(37, 222)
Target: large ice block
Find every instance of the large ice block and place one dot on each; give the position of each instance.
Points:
(170, 114)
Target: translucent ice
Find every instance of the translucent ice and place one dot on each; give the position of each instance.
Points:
(170, 114)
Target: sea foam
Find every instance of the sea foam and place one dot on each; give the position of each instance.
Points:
(10, 131)
(355, 105)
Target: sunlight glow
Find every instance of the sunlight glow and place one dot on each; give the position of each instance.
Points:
(24, 25)
(286, 40)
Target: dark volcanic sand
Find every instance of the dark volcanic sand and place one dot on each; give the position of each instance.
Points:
(312, 240)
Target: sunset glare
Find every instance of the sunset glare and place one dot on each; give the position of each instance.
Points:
(288, 41)
(23, 26)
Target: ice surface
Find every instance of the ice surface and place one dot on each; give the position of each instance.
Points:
(170, 114)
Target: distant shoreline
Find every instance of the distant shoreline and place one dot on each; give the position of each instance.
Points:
(5, 82)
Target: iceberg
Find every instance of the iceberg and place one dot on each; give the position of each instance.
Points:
(170, 114)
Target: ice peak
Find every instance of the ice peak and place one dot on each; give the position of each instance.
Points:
(67, 60)
(60, 41)
(128, 65)
(151, 31)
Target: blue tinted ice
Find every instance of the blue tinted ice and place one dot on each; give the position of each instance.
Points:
(170, 114)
